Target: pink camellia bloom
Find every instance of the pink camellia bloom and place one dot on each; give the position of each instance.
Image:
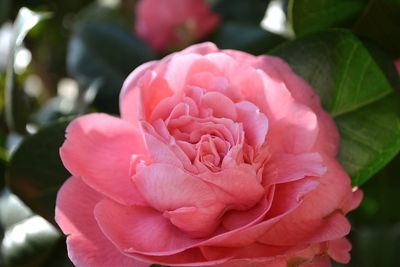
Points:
(220, 158)
(170, 24)
(397, 64)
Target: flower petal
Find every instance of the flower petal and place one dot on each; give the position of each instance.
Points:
(134, 229)
(283, 168)
(194, 208)
(255, 123)
(87, 245)
(286, 233)
(99, 148)
(239, 188)
(339, 250)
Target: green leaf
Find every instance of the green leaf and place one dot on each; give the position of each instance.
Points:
(29, 242)
(380, 22)
(370, 137)
(35, 170)
(12, 209)
(353, 89)
(249, 11)
(308, 16)
(246, 37)
(339, 68)
(103, 54)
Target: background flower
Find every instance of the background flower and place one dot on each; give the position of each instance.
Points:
(173, 24)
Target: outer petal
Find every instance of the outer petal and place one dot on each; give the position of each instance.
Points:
(87, 245)
(328, 139)
(99, 149)
(283, 168)
(323, 207)
(142, 230)
(339, 250)
(142, 91)
(306, 232)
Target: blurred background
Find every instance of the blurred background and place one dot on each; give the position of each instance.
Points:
(61, 59)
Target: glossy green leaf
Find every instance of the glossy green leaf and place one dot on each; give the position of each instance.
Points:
(29, 242)
(102, 55)
(12, 209)
(308, 16)
(370, 137)
(355, 90)
(36, 172)
(249, 11)
(250, 38)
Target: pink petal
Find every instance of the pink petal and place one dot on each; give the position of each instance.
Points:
(179, 67)
(283, 168)
(130, 103)
(248, 234)
(87, 245)
(328, 138)
(192, 257)
(293, 126)
(255, 123)
(99, 149)
(339, 250)
(238, 188)
(158, 184)
(221, 106)
(333, 193)
(288, 233)
(193, 208)
(141, 230)
(235, 219)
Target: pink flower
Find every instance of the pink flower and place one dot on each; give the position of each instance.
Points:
(171, 24)
(397, 64)
(220, 158)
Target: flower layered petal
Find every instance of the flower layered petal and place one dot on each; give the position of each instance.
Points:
(99, 148)
(188, 202)
(255, 123)
(136, 228)
(288, 199)
(87, 245)
(328, 138)
(283, 168)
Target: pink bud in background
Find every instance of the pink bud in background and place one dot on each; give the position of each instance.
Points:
(172, 24)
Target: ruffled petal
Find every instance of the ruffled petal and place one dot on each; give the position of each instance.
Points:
(141, 230)
(99, 148)
(87, 245)
(255, 123)
(283, 168)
